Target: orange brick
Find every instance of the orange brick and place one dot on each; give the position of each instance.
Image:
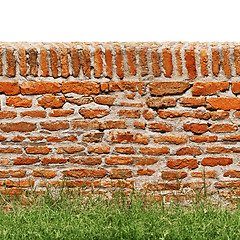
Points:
(80, 87)
(223, 128)
(51, 101)
(35, 139)
(40, 114)
(86, 61)
(203, 138)
(33, 61)
(29, 88)
(60, 113)
(52, 160)
(161, 186)
(10, 150)
(19, 127)
(207, 174)
(159, 127)
(182, 163)
(237, 59)
(99, 149)
(209, 88)
(83, 124)
(113, 124)
(92, 137)
(80, 100)
(54, 61)
(130, 113)
(215, 161)
(148, 114)
(98, 62)
(79, 173)
(44, 62)
(147, 172)
(75, 60)
(38, 150)
(85, 160)
(64, 61)
(189, 151)
(121, 137)
(172, 175)
(227, 184)
(226, 65)
(119, 160)
(193, 114)
(167, 61)
(139, 125)
(193, 101)
(70, 149)
(232, 138)
(215, 61)
(108, 59)
(132, 86)
(204, 61)
(120, 173)
(232, 174)
(22, 61)
(168, 88)
(45, 173)
(119, 61)
(11, 62)
(54, 126)
(218, 115)
(196, 127)
(7, 114)
(139, 138)
(16, 101)
(25, 160)
(218, 149)
(153, 151)
(105, 100)
(18, 139)
(190, 61)
(224, 103)
(145, 160)
(155, 62)
(93, 113)
(179, 58)
(61, 139)
(125, 150)
(171, 139)
(9, 88)
(143, 60)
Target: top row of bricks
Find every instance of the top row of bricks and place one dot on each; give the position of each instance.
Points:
(120, 60)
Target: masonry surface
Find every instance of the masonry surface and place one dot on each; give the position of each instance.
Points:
(156, 116)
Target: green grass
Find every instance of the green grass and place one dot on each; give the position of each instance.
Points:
(76, 216)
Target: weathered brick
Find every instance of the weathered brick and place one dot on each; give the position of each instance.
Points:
(44, 62)
(38, 150)
(148, 114)
(18, 138)
(161, 102)
(81, 87)
(61, 113)
(119, 160)
(161, 186)
(101, 149)
(9, 88)
(119, 61)
(120, 173)
(190, 61)
(189, 151)
(131, 57)
(153, 151)
(78, 173)
(51, 101)
(64, 61)
(75, 60)
(218, 149)
(121, 137)
(223, 128)
(33, 54)
(17, 101)
(125, 150)
(138, 124)
(147, 172)
(196, 127)
(85, 160)
(25, 160)
(10, 150)
(237, 58)
(93, 113)
(227, 184)
(231, 138)
(167, 61)
(70, 149)
(218, 115)
(172, 175)
(80, 101)
(215, 161)
(22, 61)
(203, 138)
(108, 59)
(29, 88)
(160, 127)
(41, 114)
(155, 62)
(105, 100)
(145, 160)
(175, 114)
(168, 88)
(206, 174)
(54, 61)
(44, 173)
(193, 101)
(61, 139)
(54, 126)
(232, 174)
(224, 103)
(182, 163)
(215, 61)
(226, 64)
(180, 139)
(84, 124)
(140, 138)
(204, 60)
(113, 124)
(178, 58)
(93, 137)
(11, 62)
(208, 88)
(36, 138)
(130, 113)
(86, 61)
(53, 160)
(19, 127)
(127, 86)
(98, 62)
(7, 114)
(143, 60)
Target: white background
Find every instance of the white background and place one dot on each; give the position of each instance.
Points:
(114, 20)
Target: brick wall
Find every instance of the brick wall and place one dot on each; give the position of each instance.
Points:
(149, 115)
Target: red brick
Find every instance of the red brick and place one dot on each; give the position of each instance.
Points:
(86, 61)
(147, 172)
(143, 60)
(108, 59)
(30, 88)
(190, 61)
(70, 149)
(189, 151)
(75, 60)
(83, 124)
(226, 65)
(85, 160)
(236, 87)
(119, 61)
(105, 100)
(193, 114)
(145, 160)
(10, 150)
(60, 113)
(172, 175)
(19, 127)
(54, 126)
(215, 161)
(80, 87)
(98, 62)
(51, 101)
(130, 113)
(215, 61)
(38, 150)
(159, 127)
(25, 160)
(44, 62)
(49, 160)
(78, 173)
(99, 149)
(131, 104)
(161, 186)
(178, 58)
(218, 115)
(155, 62)
(120, 173)
(207, 174)
(18, 139)
(139, 125)
(224, 103)
(36, 138)
(19, 184)
(7, 114)
(196, 127)
(54, 61)
(132, 86)
(171, 139)
(40, 114)
(61, 139)
(121, 137)
(237, 59)
(203, 138)
(167, 88)
(208, 88)
(232, 138)
(92, 137)
(22, 61)
(223, 128)
(218, 149)
(113, 124)
(204, 61)
(93, 113)
(139, 138)
(182, 163)
(148, 114)
(80, 101)
(9, 88)
(16, 101)
(44, 173)
(232, 174)
(153, 151)
(33, 61)
(64, 61)
(119, 160)
(167, 61)
(11, 62)
(193, 101)
(130, 95)
(125, 150)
